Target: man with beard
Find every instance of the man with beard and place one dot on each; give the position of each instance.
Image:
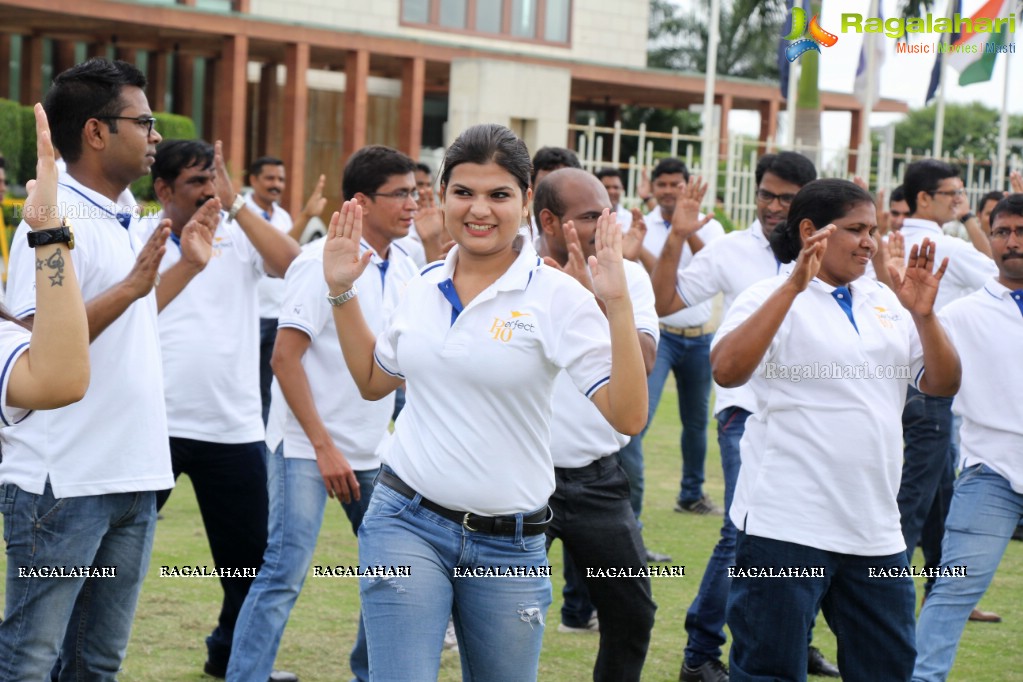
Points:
(209, 336)
(728, 266)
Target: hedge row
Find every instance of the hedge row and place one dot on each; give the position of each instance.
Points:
(18, 142)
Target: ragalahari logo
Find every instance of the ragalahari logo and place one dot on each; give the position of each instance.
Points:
(817, 36)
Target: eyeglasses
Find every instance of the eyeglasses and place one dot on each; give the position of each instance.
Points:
(767, 197)
(399, 194)
(1005, 232)
(148, 121)
(950, 192)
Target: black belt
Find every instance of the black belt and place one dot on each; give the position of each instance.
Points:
(534, 524)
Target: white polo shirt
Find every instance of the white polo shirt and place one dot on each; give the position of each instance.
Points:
(579, 433)
(475, 432)
(986, 328)
(14, 341)
(968, 269)
(624, 217)
(271, 289)
(356, 426)
(728, 265)
(209, 335)
(115, 439)
(822, 456)
(657, 229)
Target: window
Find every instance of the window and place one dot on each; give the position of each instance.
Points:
(544, 21)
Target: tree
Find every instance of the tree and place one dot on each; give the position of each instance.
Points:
(969, 129)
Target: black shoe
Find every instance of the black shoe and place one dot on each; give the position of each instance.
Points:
(816, 664)
(218, 670)
(657, 558)
(1018, 533)
(711, 671)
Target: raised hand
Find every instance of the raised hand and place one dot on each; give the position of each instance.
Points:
(606, 269)
(197, 234)
(342, 264)
(686, 218)
(643, 189)
(808, 264)
(884, 217)
(1016, 182)
(146, 271)
(429, 223)
(40, 209)
(224, 186)
(632, 241)
(918, 288)
(317, 202)
(576, 264)
(896, 256)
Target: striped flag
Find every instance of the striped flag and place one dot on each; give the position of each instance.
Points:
(977, 67)
(932, 89)
(872, 42)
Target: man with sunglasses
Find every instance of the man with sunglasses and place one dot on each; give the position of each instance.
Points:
(935, 194)
(728, 266)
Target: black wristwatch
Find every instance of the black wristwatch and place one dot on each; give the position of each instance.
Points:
(55, 235)
(966, 218)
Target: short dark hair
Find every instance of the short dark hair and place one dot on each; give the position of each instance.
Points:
(256, 167)
(669, 166)
(789, 166)
(820, 201)
(1010, 205)
(174, 156)
(423, 168)
(91, 89)
(486, 143)
(553, 158)
(371, 167)
(925, 176)
(994, 196)
(898, 194)
(608, 173)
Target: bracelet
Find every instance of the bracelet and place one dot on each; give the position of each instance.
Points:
(239, 203)
(341, 299)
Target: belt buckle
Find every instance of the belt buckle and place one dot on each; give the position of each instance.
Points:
(465, 523)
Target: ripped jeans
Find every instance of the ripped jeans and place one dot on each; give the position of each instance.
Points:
(499, 621)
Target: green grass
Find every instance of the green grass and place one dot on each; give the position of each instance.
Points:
(175, 614)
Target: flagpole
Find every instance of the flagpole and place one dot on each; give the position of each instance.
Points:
(998, 182)
(790, 105)
(939, 117)
(863, 157)
(710, 141)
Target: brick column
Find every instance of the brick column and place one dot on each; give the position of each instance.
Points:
(296, 116)
(410, 117)
(356, 102)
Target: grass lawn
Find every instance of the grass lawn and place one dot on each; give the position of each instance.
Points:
(175, 614)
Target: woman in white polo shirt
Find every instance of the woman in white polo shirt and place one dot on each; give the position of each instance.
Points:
(829, 354)
(44, 366)
(480, 339)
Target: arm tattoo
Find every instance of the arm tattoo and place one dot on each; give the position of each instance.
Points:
(55, 263)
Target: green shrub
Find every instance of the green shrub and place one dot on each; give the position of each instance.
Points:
(10, 139)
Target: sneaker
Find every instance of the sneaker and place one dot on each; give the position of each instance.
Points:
(591, 627)
(711, 671)
(450, 640)
(816, 664)
(702, 506)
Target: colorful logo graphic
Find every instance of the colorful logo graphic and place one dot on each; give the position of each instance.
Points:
(817, 36)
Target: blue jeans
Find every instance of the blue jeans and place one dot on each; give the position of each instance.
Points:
(267, 338)
(770, 618)
(705, 619)
(86, 621)
(230, 487)
(927, 436)
(499, 622)
(593, 518)
(985, 512)
(297, 500)
(689, 360)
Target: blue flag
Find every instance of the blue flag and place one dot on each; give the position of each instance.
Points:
(936, 71)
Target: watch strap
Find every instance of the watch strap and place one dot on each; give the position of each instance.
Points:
(239, 203)
(54, 235)
(341, 299)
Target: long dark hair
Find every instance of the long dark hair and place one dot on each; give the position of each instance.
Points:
(821, 202)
